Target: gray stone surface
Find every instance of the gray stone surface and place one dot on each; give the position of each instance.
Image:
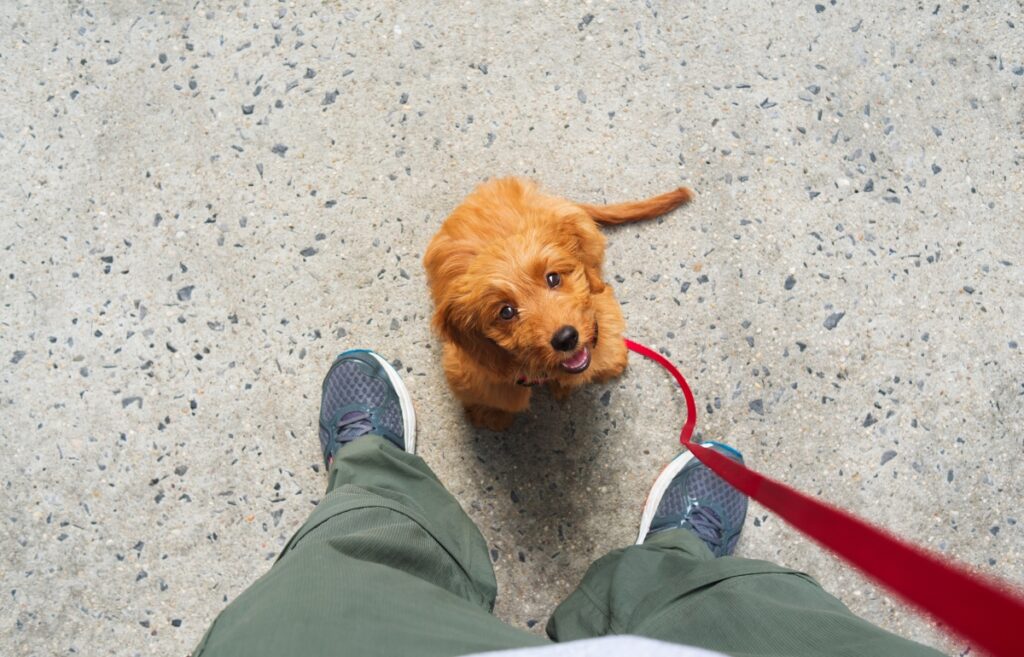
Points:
(203, 202)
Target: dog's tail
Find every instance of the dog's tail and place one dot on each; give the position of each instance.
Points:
(655, 206)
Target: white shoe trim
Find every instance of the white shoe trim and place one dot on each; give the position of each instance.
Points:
(405, 402)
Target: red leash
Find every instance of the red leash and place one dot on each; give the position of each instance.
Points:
(983, 611)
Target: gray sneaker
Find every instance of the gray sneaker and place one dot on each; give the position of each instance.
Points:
(362, 395)
(688, 495)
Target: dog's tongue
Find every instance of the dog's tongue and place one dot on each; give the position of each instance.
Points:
(577, 361)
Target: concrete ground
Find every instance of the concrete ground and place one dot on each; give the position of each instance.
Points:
(203, 202)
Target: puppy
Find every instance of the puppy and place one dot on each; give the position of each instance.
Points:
(515, 276)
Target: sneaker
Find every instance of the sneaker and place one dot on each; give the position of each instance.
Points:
(689, 495)
(363, 395)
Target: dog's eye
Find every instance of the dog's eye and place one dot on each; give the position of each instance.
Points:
(554, 280)
(508, 312)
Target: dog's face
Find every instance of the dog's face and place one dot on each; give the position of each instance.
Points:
(523, 305)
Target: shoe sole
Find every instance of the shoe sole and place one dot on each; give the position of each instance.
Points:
(661, 484)
(404, 398)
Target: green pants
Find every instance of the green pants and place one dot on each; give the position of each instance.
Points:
(388, 564)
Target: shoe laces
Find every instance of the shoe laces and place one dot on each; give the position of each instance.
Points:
(352, 425)
(705, 523)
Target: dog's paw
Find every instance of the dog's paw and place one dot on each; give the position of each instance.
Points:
(486, 417)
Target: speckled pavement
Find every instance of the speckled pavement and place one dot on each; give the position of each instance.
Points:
(203, 202)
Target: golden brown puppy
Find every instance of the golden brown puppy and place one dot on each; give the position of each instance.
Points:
(516, 280)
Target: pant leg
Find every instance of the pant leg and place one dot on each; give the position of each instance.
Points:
(672, 588)
(387, 564)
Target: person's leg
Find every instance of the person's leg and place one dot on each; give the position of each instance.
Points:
(387, 564)
(678, 584)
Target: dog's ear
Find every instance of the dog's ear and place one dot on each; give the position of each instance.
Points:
(454, 323)
(586, 242)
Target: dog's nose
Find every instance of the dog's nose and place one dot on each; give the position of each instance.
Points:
(565, 339)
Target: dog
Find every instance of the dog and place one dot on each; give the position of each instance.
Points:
(515, 277)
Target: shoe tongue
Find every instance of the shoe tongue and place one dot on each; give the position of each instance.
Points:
(706, 524)
(354, 424)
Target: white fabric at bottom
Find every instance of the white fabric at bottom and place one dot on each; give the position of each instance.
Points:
(606, 646)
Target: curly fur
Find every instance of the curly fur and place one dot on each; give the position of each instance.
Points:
(497, 249)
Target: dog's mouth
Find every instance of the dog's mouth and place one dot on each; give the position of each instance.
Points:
(578, 362)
